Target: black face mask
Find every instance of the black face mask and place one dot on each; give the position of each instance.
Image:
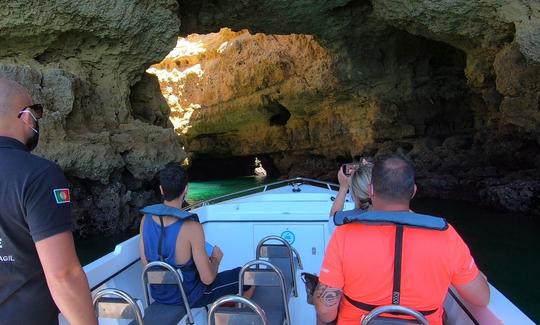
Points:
(32, 143)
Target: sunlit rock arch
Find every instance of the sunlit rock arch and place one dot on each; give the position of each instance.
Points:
(431, 80)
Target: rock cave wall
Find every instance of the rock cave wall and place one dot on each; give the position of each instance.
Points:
(453, 84)
(103, 122)
(304, 85)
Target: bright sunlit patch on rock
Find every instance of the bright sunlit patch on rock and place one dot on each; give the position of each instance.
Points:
(173, 77)
(184, 47)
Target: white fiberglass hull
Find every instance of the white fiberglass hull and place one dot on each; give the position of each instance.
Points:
(237, 225)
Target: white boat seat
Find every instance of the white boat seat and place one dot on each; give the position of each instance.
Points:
(271, 292)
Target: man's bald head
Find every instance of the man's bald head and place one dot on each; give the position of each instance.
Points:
(393, 178)
(13, 97)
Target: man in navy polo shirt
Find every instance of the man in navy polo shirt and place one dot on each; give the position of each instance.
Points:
(38, 263)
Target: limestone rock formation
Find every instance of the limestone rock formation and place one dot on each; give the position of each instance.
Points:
(83, 60)
(448, 82)
(303, 85)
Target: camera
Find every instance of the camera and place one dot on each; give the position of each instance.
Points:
(350, 168)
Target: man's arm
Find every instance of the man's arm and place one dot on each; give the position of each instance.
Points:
(476, 292)
(141, 242)
(66, 279)
(206, 266)
(339, 202)
(327, 302)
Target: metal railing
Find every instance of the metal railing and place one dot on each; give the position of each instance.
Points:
(291, 250)
(237, 299)
(177, 279)
(136, 313)
(293, 182)
(396, 309)
(257, 263)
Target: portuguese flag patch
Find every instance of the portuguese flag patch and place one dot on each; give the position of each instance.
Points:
(62, 195)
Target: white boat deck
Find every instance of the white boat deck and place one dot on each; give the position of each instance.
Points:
(238, 224)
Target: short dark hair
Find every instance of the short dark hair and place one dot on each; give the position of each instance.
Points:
(173, 180)
(393, 177)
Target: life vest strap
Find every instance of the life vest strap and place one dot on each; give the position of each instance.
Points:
(369, 307)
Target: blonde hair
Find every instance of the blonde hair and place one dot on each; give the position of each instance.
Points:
(360, 181)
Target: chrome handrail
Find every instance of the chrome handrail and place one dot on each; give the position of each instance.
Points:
(292, 251)
(124, 296)
(262, 188)
(394, 309)
(256, 263)
(239, 299)
(179, 280)
(300, 264)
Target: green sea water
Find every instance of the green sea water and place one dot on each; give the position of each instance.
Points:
(505, 246)
(200, 191)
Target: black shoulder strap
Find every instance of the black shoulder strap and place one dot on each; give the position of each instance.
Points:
(398, 250)
(161, 238)
(369, 307)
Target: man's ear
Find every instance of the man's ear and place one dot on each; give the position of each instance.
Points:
(184, 194)
(414, 191)
(161, 190)
(27, 119)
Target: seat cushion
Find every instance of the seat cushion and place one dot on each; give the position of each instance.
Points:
(284, 265)
(163, 314)
(269, 299)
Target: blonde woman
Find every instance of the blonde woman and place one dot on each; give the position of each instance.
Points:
(357, 182)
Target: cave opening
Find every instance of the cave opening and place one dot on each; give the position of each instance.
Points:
(206, 168)
(228, 113)
(279, 114)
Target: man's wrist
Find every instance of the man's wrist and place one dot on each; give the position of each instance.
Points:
(343, 190)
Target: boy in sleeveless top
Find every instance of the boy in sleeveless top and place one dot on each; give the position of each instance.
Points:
(183, 246)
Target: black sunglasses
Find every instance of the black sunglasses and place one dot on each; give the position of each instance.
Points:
(37, 110)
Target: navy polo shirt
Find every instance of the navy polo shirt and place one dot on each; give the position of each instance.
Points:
(34, 205)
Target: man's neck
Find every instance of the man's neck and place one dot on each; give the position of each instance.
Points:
(390, 206)
(5, 131)
(176, 203)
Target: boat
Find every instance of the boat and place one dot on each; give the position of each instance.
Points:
(295, 211)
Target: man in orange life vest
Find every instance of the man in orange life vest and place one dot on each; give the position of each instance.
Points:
(357, 273)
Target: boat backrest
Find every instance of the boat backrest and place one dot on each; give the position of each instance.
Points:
(283, 256)
(117, 304)
(248, 313)
(158, 272)
(270, 286)
(161, 277)
(262, 278)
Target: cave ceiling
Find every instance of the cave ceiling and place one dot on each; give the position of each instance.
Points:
(304, 85)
